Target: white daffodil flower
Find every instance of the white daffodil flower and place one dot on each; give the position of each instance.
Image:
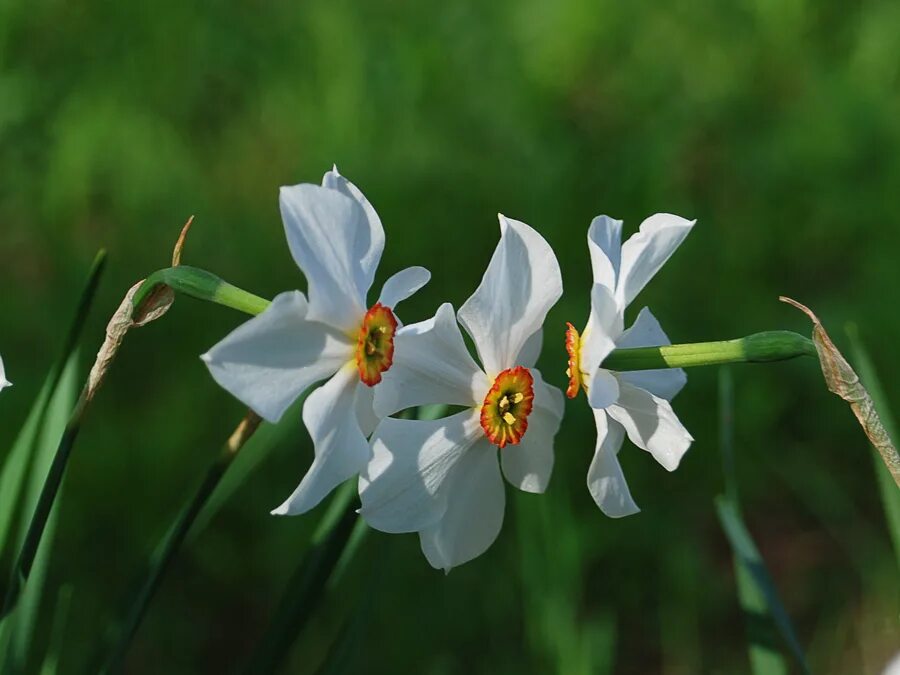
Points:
(442, 478)
(4, 383)
(635, 404)
(336, 239)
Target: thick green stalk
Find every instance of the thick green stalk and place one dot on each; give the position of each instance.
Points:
(171, 543)
(202, 285)
(775, 345)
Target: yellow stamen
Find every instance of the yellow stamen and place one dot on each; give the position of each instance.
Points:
(509, 418)
(504, 403)
(517, 397)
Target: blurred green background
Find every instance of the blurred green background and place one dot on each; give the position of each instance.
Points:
(775, 124)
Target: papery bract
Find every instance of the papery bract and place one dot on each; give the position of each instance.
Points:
(442, 478)
(336, 239)
(636, 403)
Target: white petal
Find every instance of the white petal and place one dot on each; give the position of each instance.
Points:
(602, 389)
(648, 250)
(605, 479)
(521, 284)
(474, 515)
(646, 332)
(605, 246)
(4, 383)
(431, 365)
(531, 350)
(402, 285)
(411, 459)
(330, 239)
(604, 325)
(340, 447)
(372, 256)
(271, 359)
(651, 424)
(528, 464)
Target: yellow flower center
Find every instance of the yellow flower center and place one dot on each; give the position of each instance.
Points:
(573, 348)
(375, 344)
(504, 413)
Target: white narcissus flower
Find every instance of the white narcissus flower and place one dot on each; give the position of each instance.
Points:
(636, 403)
(442, 478)
(4, 383)
(336, 239)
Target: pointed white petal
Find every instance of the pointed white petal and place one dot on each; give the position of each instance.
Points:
(605, 246)
(605, 479)
(651, 424)
(646, 332)
(370, 259)
(604, 325)
(648, 250)
(474, 515)
(330, 239)
(4, 383)
(402, 285)
(400, 489)
(341, 449)
(602, 389)
(431, 365)
(531, 350)
(271, 359)
(528, 464)
(521, 284)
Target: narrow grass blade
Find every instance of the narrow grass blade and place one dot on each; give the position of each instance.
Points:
(41, 512)
(763, 648)
(890, 495)
(308, 583)
(22, 622)
(53, 657)
(751, 561)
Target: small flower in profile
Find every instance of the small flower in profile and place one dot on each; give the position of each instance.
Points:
(442, 478)
(336, 239)
(4, 383)
(635, 404)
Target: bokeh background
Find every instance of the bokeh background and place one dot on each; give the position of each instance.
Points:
(775, 124)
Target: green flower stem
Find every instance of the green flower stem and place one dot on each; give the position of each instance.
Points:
(168, 547)
(25, 560)
(308, 584)
(775, 345)
(202, 285)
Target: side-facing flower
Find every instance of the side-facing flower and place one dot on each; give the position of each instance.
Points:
(4, 383)
(442, 478)
(635, 404)
(336, 239)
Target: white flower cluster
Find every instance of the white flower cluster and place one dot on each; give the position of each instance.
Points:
(444, 478)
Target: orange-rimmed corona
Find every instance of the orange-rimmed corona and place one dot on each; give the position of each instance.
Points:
(375, 344)
(573, 348)
(504, 413)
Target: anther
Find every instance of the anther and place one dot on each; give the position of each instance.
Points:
(504, 403)
(517, 397)
(509, 419)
